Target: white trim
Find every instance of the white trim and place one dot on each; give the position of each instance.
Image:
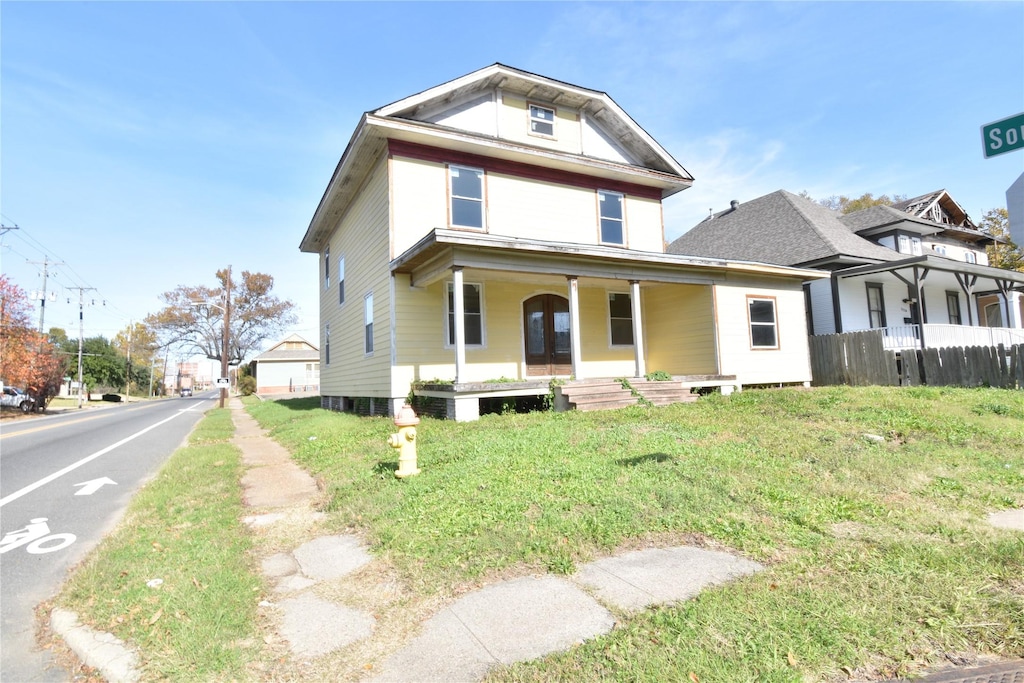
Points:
(448, 313)
(368, 311)
(574, 327)
(460, 321)
(608, 301)
(638, 333)
(452, 197)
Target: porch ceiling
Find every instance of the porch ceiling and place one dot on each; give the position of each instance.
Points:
(433, 257)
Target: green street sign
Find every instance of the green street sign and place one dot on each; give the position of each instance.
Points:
(1000, 137)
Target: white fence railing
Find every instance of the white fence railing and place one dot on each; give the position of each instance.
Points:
(942, 336)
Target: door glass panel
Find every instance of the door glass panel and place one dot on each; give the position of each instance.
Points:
(562, 341)
(535, 328)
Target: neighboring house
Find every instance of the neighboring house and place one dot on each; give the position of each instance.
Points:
(507, 226)
(292, 364)
(917, 270)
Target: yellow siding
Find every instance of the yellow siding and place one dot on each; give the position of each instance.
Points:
(514, 124)
(419, 191)
(515, 207)
(679, 329)
(362, 238)
(787, 364)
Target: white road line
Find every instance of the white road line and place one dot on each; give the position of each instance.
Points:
(89, 458)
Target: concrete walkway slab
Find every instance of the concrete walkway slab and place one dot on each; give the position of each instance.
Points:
(508, 622)
(638, 579)
(331, 557)
(1008, 519)
(314, 627)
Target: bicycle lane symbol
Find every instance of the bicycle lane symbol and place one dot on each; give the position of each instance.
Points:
(36, 537)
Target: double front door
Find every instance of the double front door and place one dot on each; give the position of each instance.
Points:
(548, 333)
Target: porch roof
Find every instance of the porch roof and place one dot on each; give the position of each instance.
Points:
(441, 249)
(1011, 279)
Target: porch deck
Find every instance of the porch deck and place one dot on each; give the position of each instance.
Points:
(462, 401)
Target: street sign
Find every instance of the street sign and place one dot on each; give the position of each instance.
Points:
(223, 382)
(1000, 137)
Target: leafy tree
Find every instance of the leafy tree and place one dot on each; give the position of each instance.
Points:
(138, 344)
(1006, 255)
(102, 366)
(844, 204)
(194, 316)
(27, 358)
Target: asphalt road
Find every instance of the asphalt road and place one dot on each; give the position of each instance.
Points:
(65, 481)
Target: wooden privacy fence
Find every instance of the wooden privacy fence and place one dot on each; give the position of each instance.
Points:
(858, 358)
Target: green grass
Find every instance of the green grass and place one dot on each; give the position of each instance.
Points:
(879, 559)
(183, 528)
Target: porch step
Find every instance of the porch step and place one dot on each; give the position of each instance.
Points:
(663, 393)
(609, 394)
(593, 395)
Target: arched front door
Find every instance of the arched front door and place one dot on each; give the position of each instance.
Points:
(548, 342)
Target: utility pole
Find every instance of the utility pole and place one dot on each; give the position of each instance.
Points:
(45, 263)
(227, 333)
(81, 335)
(128, 367)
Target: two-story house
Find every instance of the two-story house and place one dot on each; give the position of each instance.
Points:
(917, 270)
(508, 226)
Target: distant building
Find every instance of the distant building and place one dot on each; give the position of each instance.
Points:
(290, 365)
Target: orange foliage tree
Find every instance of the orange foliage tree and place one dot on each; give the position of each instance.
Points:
(27, 357)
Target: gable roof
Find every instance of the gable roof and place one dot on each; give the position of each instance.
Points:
(409, 120)
(922, 207)
(277, 352)
(781, 228)
(882, 218)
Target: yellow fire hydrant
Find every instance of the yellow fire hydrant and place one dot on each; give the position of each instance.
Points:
(405, 441)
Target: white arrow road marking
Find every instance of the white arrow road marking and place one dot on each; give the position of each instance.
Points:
(91, 487)
(89, 458)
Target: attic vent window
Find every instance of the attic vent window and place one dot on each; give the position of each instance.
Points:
(542, 121)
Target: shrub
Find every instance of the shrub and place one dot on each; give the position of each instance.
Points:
(247, 385)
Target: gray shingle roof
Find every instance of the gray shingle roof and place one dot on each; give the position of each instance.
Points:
(780, 228)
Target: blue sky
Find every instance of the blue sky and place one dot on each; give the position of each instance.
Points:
(148, 144)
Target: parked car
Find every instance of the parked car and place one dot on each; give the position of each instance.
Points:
(15, 398)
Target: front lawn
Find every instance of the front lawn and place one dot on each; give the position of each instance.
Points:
(879, 559)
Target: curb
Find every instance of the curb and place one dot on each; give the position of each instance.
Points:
(102, 651)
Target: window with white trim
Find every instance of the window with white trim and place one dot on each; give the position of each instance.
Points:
(970, 257)
(341, 280)
(327, 268)
(466, 186)
(327, 344)
(368, 323)
(915, 246)
(473, 313)
(763, 327)
(876, 305)
(620, 316)
(612, 216)
(953, 308)
(542, 121)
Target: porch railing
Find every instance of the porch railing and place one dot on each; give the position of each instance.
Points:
(944, 336)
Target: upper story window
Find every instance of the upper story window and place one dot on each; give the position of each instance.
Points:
(620, 315)
(763, 328)
(327, 268)
(542, 121)
(939, 249)
(970, 257)
(466, 186)
(473, 314)
(612, 217)
(327, 344)
(909, 245)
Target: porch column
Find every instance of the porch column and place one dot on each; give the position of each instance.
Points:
(638, 334)
(1013, 310)
(574, 325)
(460, 325)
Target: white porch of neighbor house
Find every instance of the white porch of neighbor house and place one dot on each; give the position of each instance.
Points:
(931, 302)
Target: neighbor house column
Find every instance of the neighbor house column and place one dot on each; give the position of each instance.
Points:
(638, 334)
(574, 325)
(460, 325)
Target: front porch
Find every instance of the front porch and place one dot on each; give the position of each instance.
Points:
(462, 401)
